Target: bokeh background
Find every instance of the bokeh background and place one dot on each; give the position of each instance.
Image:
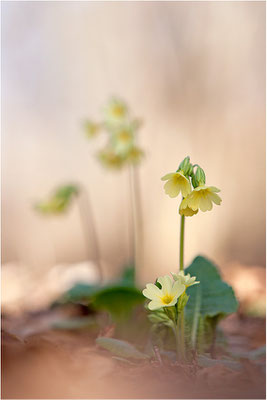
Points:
(194, 72)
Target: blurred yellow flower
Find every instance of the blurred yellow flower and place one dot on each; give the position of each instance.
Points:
(202, 198)
(110, 159)
(185, 209)
(166, 296)
(91, 128)
(176, 183)
(134, 155)
(122, 139)
(115, 112)
(186, 280)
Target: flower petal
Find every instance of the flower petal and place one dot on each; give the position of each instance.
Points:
(166, 283)
(168, 176)
(171, 188)
(214, 189)
(177, 289)
(185, 187)
(152, 291)
(205, 204)
(154, 305)
(215, 198)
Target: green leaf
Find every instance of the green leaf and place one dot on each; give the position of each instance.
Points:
(128, 276)
(120, 348)
(217, 298)
(209, 301)
(79, 293)
(74, 323)
(59, 201)
(119, 301)
(160, 317)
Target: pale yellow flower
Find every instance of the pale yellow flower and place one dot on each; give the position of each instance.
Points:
(91, 129)
(185, 209)
(122, 139)
(110, 159)
(202, 198)
(166, 296)
(177, 183)
(186, 280)
(115, 112)
(134, 155)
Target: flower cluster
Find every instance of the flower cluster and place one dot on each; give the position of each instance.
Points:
(121, 129)
(169, 291)
(201, 197)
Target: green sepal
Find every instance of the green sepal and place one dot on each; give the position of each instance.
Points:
(185, 166)
(183, 299)
(160, 317)
(170, 312)
(199, 177)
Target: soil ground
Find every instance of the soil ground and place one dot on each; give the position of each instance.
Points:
(61, 364)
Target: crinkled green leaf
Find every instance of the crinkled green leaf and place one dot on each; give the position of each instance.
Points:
(80, 293)
(121, 348)
(217, 298)
(117, 300)
(209, 301)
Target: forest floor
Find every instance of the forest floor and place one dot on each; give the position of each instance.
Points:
(40, 362)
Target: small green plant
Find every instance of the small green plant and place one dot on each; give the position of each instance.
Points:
(191, 308)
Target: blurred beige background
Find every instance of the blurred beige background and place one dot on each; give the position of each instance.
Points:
(193, 71)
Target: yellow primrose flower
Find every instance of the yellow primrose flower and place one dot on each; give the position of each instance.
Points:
(134, 155)
(185, 209)
(110, 159)
(186, 280)
(166, 296)
(91, 128)
(202, 198)
(177, 183)
(122, 139)
(115, 112)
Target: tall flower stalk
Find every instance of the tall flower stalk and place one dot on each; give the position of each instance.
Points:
(59, 202)
(121, 150)
(167, 295)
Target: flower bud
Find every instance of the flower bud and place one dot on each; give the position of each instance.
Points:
(198, 178)
(185, 166)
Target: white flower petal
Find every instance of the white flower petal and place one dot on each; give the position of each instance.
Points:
(177, 289)
(154, 305)
(166, 283)
(152, 291)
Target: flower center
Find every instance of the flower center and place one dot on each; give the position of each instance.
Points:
(124, 136)
(166, 299)
(118, 111)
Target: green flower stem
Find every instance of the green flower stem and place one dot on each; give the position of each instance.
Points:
(182, 243)
(177, 340)
(182, 335)
(89, 229)
(137, 219)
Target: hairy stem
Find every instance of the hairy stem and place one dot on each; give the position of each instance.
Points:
(182, 243)
(182, 335)
(89, 229)
(138, 220)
